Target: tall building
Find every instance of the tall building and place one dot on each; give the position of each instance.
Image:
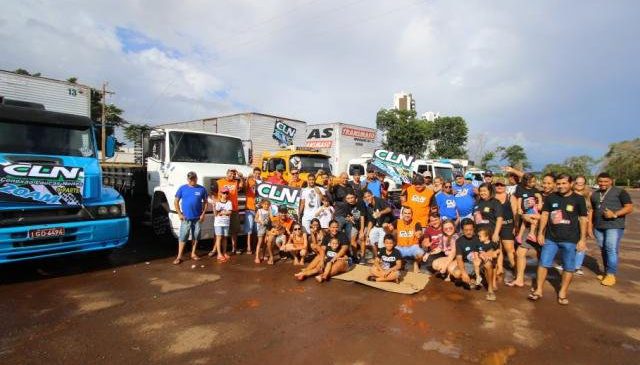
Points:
(403, 101)
(431, 116)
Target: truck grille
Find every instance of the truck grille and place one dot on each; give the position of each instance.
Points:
(37, 216)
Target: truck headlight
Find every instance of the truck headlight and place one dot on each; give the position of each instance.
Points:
(108, 211)
(114, 210)
(103, 210)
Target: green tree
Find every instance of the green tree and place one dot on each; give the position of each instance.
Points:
(515, 156)
(404, 132)
(113, 116)
(574, 166)
(450, 135)
(134, 132)
(486, 159)
(622, 161)
(557, 168)
(72, 80)
(22, 71)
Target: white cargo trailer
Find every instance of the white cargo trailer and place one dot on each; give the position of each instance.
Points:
(342, 142)
(259, 132)
(58, 96)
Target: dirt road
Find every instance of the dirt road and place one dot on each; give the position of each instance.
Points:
(135, 307)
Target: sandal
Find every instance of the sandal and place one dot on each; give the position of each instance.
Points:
(211, 253)
(222, 259)
(491, 297)
(177, 261)
(248, 253)
(534, 297)
(195, 258)
(563, 301)
(513, 284)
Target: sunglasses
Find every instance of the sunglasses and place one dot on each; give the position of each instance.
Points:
(296, 229)
(499, 185)
(447, 186)
(225, 192)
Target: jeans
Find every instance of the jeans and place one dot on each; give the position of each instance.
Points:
(609, 242)
(567, 249)
(249, 221)
(189, 226)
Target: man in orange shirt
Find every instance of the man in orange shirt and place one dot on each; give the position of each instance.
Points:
(419, 198)
(250, 212)
(233, 182)
(277, 178)
(408, 232)
(296, 181)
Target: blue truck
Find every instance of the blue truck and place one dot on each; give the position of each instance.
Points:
(52, 201)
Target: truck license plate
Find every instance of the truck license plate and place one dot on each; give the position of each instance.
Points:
(46, 233)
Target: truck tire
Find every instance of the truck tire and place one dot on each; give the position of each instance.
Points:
(160, 216)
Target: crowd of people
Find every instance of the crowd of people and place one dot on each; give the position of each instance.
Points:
(473, 234)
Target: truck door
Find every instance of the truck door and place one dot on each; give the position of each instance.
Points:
(155, 162)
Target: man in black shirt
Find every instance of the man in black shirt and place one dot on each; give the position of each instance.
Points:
(379, 216)
(334, 232)
(351, 213)
(467, 254)
(610, 204)
(563, 226)
(341, 189)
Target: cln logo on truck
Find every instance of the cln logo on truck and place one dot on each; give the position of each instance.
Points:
(49, 172)
(399, 159)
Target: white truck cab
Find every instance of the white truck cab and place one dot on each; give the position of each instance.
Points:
(172, 154)
(436, 168)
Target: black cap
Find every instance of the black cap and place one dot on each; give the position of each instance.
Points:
(457, 174)
(191, 175)
(488, 173)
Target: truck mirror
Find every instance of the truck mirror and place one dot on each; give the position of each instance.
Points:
(110, 147)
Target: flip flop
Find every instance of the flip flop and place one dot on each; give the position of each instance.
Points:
(534, 297)
(563, 301)
(211, 253)
(491, 297)
(195, 258)
(177, 261)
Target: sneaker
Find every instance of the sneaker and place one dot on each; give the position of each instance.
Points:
(609, 280)
(479, 280)
(558, 267)
(579, 272)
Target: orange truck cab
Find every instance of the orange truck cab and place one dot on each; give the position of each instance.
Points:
(306, 160)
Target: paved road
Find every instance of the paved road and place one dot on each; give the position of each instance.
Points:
(135, 307)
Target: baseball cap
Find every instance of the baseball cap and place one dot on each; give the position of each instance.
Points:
(224, 190)
(488, 173)
(191, 175)
(457, 174)
(418, 180)
(427, 174)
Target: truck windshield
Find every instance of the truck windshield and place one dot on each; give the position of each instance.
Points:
(445, 173)
(45, 139)
(314, 163)
(205, 148)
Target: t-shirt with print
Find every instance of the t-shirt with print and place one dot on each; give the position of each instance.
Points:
(406, 232)
(466, 246)
(312, 201)
(330, 253)
(325, 216)
(357, 210)
(388, 260)
(446, 205)
(486, 213)
(379, 205)
(222, 220)
(435, 238)
(342, 238)
(465, 198)
(528, 199)
(191, 200)
(262, 217)
(232, 186)
(507, 212)
(615, 199)
(564, 212)
(488, 246)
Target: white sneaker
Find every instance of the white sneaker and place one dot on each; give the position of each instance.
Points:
(579, 272)
(479, 280)
(558, 267)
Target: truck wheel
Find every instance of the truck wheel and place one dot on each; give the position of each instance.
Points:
(160, 217)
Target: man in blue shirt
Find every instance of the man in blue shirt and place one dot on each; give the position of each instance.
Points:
(447, 203)
(464, 194)
(191, 204)
(372, 183)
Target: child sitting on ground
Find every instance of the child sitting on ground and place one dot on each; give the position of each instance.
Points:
(387, 265)
(488, 252)
(332, 261)
(297, 245)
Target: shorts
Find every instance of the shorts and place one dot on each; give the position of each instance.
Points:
(567, 250)
(189, 226)
(468, 267)
(306, 223)
(526, 244)
(506, 233)
(221, 231)
(280, 240)
(410, 251)
(249, 225)
(376, 237)
(434, 257)
(234, 227)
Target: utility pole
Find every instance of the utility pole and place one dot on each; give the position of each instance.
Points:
(104, 119)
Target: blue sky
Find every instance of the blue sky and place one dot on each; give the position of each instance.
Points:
(560, 78)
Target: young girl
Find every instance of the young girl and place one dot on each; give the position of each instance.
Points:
(447, 264)
(325, 213)
(297, 244)
(263, 217)
(315, 236)
(222, 210)
(332, 261)
(387, 265)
